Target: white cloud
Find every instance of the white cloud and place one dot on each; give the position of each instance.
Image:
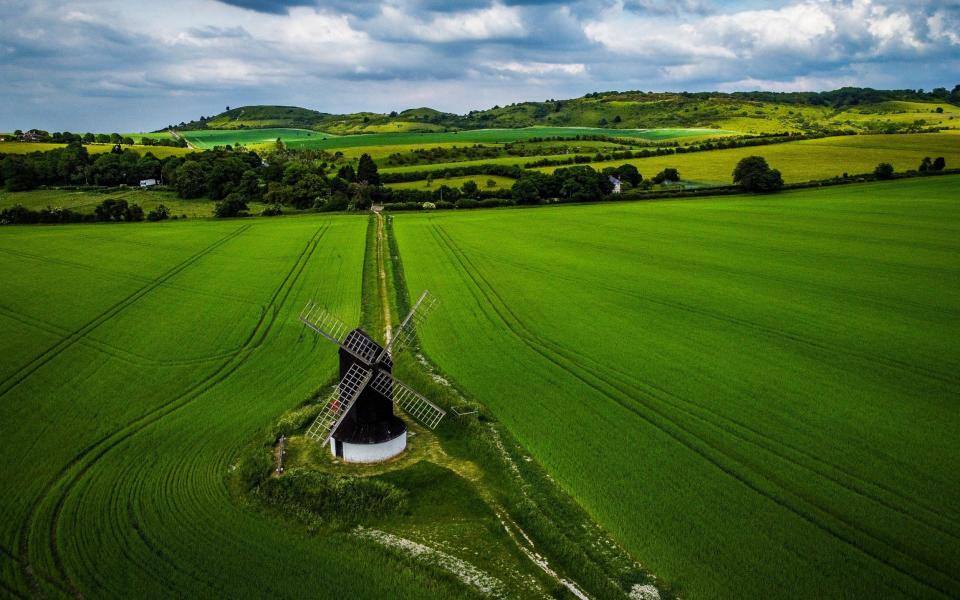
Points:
(539, 68)
(496, 21)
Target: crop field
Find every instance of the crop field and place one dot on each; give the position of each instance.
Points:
(28, 147)
(208, 138)
(756, 395)
(808, 159)
(86, 201)
(137, 360)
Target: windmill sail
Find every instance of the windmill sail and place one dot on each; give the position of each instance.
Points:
(410, 401)
(319, 319)
(407, 328)
(322, 321)
(339, 403)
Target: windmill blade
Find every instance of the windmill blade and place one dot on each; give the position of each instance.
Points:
(410, 401)
(408, 327)
(339, 403)
(321, 320)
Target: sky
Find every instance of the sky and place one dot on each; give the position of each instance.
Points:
(134, 65)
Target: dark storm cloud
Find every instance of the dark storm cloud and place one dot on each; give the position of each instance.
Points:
(134, 64)
(268, 6)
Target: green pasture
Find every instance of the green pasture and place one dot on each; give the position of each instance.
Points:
(488, 136)
(208, 138)
(757, 395)
(480, 180)
(28, 147)
(137, 361)
(85, 201)
(808, 159)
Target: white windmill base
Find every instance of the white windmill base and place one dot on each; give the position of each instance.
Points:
(369, 453)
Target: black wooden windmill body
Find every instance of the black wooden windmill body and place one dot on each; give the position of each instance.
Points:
(358, 419)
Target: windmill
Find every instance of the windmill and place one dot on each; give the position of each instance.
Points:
(357, 419)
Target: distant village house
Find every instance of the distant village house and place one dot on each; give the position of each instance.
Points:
(145, 183)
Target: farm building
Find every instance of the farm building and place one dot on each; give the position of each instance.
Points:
(145, 183)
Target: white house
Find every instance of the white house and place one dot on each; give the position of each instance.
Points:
(145, 183)
(616, 184)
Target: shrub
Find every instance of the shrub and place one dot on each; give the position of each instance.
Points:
(255, 468)
(467, 203)
(335, 499)
(232, 206)
(428, 206)
(272, 211)
(160, 213)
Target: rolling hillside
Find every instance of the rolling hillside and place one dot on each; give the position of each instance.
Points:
(854, 109)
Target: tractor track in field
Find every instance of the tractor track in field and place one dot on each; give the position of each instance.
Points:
(24, 564)
(127, 356)
(677, 431)
(870, 359)
(74, 470)
(52, 352)
(120, 274)
(61, 262)
(774, 446)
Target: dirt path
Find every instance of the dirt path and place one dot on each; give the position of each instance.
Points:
(467, 469)
(382, 280)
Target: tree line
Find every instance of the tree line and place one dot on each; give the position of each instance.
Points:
(66, 137)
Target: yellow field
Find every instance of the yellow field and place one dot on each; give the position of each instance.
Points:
(806, 160)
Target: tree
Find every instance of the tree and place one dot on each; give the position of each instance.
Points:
(470, 188)
(367, 171)
(939, 164)
(491, 183)
(191, 180)
(347, 173)
(755, 175)
(232, 206)
(525, 191)
(669, 174)
(883, 171)
(926, 164)
(630, 174)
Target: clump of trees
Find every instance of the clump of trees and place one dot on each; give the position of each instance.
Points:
(73, 165)
(668, 174)
(883, 171)
(927, 165)
(570, 184)
(755, 175)
(66, 137)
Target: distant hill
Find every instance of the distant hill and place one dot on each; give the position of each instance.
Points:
(858, 109)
